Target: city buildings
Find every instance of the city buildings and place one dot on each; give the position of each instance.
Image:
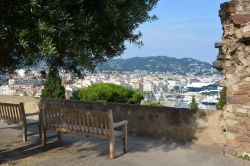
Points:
(165, 88)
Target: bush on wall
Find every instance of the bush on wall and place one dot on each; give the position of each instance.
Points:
(108, 92)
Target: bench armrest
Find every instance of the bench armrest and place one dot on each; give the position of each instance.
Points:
(32, 114)
(122, 123)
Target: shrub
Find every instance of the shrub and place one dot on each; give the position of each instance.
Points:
(193, 105)
(222, 99)
(108, 92)
(245, 156)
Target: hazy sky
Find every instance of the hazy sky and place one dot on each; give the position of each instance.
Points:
(185, 28)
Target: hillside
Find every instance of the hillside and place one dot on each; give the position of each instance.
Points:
(159, 64)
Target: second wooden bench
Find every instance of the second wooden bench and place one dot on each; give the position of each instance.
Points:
(88, 123)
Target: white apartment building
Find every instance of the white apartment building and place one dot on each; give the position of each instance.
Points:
(173, 83)
(6, 90)
(19, 81)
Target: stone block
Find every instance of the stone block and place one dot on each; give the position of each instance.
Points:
(242, 110)
(231, 122)
(229, 76)
(242, 138)
(230, 151)
(227, 63)
(229, 115)
(242, 120)
(233, 143)
(246, 28)
(247, 126)
(238, 99)
(231, 7)
(246, 36)
(241, 18)
(233, 129)
(217, 65)
(245, 147)
(229, 91)
(230, 136)
(218, 45)
(247, 133)
(220, 57)
(245, 106)
(247, 49)
(240, 92)
(235, 87)
(229, 108)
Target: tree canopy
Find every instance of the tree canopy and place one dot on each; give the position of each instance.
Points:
(108, 92)
(74, 35)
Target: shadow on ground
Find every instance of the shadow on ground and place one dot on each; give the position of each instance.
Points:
(12, 149)
(82, 147)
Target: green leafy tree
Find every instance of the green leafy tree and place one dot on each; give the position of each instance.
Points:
(222, 99)
(72, 35)
(193, 105)
(108, 92)
(53, 87)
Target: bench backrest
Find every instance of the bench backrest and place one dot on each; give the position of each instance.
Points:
(90, 123)
(12, 113)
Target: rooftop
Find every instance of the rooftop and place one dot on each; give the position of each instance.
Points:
(78, 150)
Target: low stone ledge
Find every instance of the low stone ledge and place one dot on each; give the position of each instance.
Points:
(166, 123)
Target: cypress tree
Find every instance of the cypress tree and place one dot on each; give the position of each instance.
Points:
(193, 105)
(53, 87)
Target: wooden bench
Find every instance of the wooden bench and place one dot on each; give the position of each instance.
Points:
(88, 123)
(15, 114)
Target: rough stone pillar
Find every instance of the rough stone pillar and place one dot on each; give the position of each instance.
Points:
(234, 62)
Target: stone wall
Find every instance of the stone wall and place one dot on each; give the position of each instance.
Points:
(31, 104)
(161, 122)
(234, 62)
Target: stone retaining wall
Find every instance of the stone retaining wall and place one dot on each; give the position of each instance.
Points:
(161, 122)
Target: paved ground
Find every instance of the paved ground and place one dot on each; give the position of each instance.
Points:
(94, 152)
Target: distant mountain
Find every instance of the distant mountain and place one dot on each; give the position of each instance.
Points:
(159, 64)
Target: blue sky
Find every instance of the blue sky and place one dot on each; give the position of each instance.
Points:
(185, 28)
